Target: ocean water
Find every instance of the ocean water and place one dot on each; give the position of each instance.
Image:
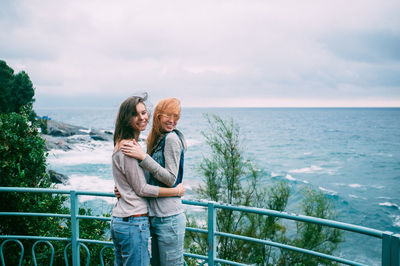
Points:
(350, 154)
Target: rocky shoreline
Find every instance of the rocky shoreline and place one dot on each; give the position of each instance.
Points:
(63, 136)
(58, 178)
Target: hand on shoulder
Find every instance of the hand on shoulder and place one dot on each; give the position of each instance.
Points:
(132, 149)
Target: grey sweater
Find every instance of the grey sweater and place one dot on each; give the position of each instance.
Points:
(163, 207)
(131, 183)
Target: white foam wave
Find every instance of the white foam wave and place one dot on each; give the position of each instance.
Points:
(383, 154)
(94, 152)
(312, 169)
(90, 183)
(378, 186)
(384, 197)
(357, 197)
(192, 142)
(273, 174)
(389, 204)
(355, 185)
(86, 130)
(396, 220)
(290, 178)
(328, 191)
(192, 208)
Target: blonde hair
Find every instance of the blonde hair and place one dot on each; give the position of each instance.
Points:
(166, 106)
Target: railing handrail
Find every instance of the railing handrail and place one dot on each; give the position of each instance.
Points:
(202, 203)
(390, 241)
(295, 217)
(56, 191)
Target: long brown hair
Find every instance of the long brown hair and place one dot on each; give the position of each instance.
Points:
(123, 123)
(166, 106)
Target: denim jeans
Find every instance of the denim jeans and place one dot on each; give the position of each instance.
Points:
(131, 237)
(167, 240)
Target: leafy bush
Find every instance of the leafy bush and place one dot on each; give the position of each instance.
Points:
(230, 178)
(23, 164)
(15, 90)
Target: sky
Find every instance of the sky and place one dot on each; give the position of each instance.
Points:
(253, 53)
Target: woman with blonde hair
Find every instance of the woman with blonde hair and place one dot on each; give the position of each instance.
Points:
(130, 228)
(166, 146)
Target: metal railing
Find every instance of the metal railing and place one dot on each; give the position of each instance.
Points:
(390, 241)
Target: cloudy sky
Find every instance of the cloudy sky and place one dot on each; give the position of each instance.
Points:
(208, 52)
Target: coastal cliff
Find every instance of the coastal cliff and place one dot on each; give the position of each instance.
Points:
(60, 135)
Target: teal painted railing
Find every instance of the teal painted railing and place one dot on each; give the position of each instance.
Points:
(390, 241)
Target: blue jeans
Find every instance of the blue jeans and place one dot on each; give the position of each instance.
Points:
(167, 240)
(131, 237)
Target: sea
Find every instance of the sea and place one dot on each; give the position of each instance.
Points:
(352, 155)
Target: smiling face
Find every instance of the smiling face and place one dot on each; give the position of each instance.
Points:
(168, 122)
(165, 119)
(139, 122)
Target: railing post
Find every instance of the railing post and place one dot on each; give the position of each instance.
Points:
(397, 250)
(74, 229)
(212, 240)
(390, 249)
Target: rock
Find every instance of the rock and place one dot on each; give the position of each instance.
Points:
(64, 136)
(59, 143)
(77, 140)
(58, 178)
(99, 135)
(60, 129)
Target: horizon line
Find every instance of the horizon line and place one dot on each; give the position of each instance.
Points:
(254, 107)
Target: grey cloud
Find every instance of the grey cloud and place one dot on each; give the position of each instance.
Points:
(200, 50)
(9, 17)
(383, 77)
(370, 47)
(26, 48)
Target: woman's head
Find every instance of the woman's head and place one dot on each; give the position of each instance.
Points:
(165, 117)
(132, 118)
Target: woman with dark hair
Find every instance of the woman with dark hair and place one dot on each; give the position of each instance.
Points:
(130, 223)
(165, 147)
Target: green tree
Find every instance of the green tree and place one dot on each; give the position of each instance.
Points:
(230, 178)
(313, 236)
(22, 91)
(23, 164)
(15, 90)
(6, 75)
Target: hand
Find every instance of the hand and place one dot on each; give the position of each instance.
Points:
(116, 192)
(132, 149)
(125, 141)
(181, 189)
